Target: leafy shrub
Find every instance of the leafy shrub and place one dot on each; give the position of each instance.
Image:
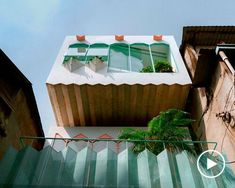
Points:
(147, 69)
(162, 66)
(167, 126)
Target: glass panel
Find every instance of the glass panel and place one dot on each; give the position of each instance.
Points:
(77, 52)
(160, 52)
(119, 57)
(140, 58)
(99, 50)
(106, 168)
(161, 57)
(78, 45)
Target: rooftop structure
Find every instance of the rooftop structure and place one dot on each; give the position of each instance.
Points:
(101, 80)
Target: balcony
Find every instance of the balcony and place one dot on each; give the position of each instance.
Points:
(103, 82)
(100, 163)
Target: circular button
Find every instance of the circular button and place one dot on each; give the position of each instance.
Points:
(210, 163)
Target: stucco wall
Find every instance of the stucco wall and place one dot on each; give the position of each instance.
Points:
(19, 123)
(209, 106)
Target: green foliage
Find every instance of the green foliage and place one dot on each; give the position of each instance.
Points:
(147, 69)
(160, 66)
(167, 126)
(163, 66)
(135, 134)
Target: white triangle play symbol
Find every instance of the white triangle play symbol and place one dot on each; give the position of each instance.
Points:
(210, 164)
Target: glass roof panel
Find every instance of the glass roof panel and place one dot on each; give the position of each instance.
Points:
(99, 45)
(160, 52)
(78, 45)
(119, 57)
(77, 51)
(140, 57)
(100, 50)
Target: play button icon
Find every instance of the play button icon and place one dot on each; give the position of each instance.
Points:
(211, 163)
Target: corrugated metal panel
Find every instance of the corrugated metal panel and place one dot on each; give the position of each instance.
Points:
(80, 105)
(88, 168)
(208, 35)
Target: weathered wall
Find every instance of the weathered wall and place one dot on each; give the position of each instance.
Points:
(208, 108)
(19, 123)
(18, 110)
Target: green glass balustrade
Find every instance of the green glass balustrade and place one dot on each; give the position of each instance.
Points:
(106, 167)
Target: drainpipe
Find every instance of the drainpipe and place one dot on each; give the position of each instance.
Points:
(225, 59)
(219, 51)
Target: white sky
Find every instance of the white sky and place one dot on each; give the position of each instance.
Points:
(32, 31)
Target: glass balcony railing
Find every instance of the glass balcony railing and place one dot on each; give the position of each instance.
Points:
(89, 162)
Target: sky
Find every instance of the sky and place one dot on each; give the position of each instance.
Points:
(32, 31)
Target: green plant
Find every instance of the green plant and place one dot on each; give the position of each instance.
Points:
(167, 126)
(147, 69)
(163, 66)
(160, 66)
(135, 134)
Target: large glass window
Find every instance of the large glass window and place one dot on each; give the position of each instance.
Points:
(161, 57)
(160, 52)
(119, 57)
(140, 57)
